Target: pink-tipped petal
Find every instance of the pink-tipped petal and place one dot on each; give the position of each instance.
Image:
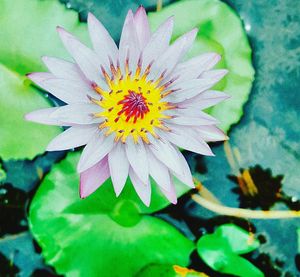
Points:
(142, 26)
(85, 58)
(143, 190)
(103, 43)
(211, 133)
(186, 175)
(119, 167)
(93, 178)
(81, 113)
(166, 153)
(170, 194)
(39, 77)
(159, 172)
(96, 149)
(73, 137)
(43, 116)
(137, 157)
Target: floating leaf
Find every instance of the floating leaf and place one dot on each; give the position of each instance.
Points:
(220, 251)
(87, 237)
(28, 31)
(239, 240)
(221, 31)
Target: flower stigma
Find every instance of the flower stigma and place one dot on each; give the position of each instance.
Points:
(132, 106)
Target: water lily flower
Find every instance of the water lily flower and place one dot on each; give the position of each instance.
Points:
(132, 105)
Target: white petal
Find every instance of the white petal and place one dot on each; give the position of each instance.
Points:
(143, 190)
(103, 43)
(119, 167)
(86, 59)
(188, 89)
(137, 157)
(96, 149)
(81, 113)
(190, 117)
(216, 74)
(211, 133)
(43, 116)
(187, 139)
(186, 177)
(142, 26)
(170, 194)
(129, 44)
(165, 153)
(169, 59)
(93, 178)
(158, 42)
(159, 172)
(73, 137)
(204, 100)
(63, 69)
(193, 68)
(69, 91)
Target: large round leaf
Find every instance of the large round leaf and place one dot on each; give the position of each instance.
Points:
(101, 235)
(21, 139)
(221, 31)
(28, 31)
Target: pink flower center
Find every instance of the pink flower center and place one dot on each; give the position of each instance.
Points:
(134, 106)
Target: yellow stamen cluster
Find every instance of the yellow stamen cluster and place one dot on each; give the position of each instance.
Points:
(133, 106)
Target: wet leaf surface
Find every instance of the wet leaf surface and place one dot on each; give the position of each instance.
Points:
(108, 225)
(23, 42)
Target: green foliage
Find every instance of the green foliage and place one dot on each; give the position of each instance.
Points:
(87, 237)
(298, 236)
(221, 251)
(28, 31)
(221, 31)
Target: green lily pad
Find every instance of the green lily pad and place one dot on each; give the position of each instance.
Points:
(87, 237)
(21, 139)
(221, 250)
(221, 31)
(28, 31)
